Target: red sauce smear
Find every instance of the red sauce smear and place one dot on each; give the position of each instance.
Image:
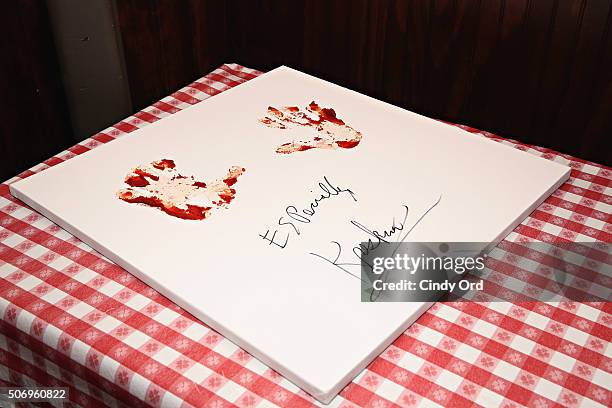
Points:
(329, 131)
(159, 185)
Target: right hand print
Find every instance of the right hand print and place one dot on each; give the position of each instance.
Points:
(329, 132)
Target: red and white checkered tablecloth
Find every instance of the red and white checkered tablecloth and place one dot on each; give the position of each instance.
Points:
(72, 318)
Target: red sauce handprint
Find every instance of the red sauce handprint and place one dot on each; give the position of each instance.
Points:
(329, 132)
(160, 185)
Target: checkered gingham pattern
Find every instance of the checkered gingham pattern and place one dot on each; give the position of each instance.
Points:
(72, 318)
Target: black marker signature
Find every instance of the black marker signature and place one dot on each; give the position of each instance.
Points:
(304, 216)
(363, 249)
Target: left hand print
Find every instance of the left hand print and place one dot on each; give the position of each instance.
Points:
(159, 184)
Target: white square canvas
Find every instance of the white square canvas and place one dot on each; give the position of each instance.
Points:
(285, 301)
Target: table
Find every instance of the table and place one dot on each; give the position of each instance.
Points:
(72, 318)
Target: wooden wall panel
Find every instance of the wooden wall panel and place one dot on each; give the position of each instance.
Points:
(598, 134)
(34, 120)
(536, 70)
(168, 44)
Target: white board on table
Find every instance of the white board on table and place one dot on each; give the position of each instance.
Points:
(295, 312)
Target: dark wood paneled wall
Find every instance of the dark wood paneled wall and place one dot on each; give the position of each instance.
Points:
(167, 44)
(536, 70)
(34, 121)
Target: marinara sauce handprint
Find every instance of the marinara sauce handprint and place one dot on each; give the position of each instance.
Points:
(160, 185)
(329, 131)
